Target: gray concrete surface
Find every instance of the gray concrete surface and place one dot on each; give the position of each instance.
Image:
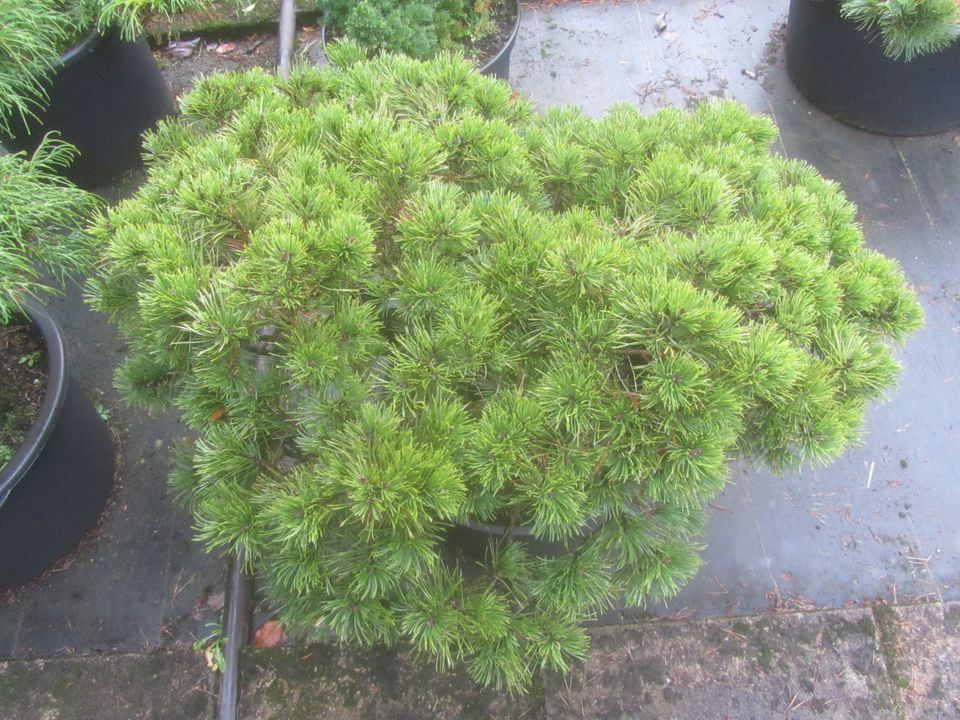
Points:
(156, 685)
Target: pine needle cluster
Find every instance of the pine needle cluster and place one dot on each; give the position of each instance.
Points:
(907, 28)
(39, 211)
(30, 40)
(389, 297)
(126, 16)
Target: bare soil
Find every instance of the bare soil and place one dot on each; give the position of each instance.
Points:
(182, 61)
(504, 17)
(23, 367)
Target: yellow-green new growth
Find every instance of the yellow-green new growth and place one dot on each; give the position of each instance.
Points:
(389, 297)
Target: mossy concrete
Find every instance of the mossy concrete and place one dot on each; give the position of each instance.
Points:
(896, 663)
(338, 683)
(795, 665)
(154, 685)
(881, 662)
(923, 650)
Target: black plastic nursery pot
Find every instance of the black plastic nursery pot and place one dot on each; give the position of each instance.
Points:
(473, 539)
(842, 70)
(55, 487)
(499, 65)
(105, 94)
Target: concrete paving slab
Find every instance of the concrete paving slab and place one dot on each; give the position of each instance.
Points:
(594, 55)
(795, 665)
(152, 686)
(879, 518)
(338, 683)
(923, 649)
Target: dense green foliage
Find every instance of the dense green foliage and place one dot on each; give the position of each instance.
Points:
(30, 36)
(419, 28)
(907, 27)
(387, 296)
(36, 207)
(127, 15)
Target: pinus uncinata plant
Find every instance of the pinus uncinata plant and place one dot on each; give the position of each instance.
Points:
(389, 297)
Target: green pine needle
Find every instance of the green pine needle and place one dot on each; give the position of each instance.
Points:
(387, 296)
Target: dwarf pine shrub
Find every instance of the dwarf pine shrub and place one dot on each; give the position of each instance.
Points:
(389, 297)
(30, 40)
(907, 28)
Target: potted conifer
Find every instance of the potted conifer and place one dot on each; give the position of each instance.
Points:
(888, 66)
(485, 29)
(391, 300)
(81, 69)
(55, 480)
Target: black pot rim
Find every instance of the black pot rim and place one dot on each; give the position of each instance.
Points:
(86, 45)
(492, 529)
(521, 531)
(508, 45)
(53, 398)
(506, 48)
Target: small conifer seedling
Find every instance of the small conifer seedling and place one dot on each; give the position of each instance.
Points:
(418, 28)
(388, 298)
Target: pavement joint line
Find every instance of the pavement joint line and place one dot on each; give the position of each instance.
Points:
(15, 645)
(643, 41)
(897, 608)
(167, 569)
(916, 188)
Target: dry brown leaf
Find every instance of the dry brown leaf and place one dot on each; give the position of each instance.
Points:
(270, 634)
(183, 49)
